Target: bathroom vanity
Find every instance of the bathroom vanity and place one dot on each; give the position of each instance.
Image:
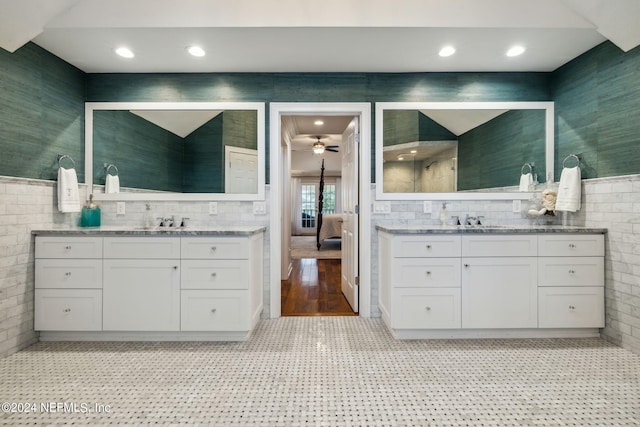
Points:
(438, 282)
(163, 284)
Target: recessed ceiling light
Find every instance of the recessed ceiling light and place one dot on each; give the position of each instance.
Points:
(447, 51)
(124, 52)
(515, 50)
(318, 123)
(414, 151)
(196, 51)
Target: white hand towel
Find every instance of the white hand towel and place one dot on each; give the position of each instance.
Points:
(569, 190)
(68, 193)
(112, 184)
(526, 181)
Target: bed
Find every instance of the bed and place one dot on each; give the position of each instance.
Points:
(328, 226)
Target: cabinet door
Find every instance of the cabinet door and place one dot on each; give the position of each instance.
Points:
(141, 295)
(426, 272)
(499, 292)
(204, 310)
(68, 273)
(433, 308)
(68, 310)
(571, 307)
(571, 271)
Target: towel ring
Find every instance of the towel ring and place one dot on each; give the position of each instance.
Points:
(575, 157)
(529, 165)
(109, 167)
(61, 157)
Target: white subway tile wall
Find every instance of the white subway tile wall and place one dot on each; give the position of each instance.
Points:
(25, 205)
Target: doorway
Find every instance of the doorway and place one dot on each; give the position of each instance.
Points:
(281, 199)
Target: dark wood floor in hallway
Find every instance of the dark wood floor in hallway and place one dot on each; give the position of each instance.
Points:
(313, 289)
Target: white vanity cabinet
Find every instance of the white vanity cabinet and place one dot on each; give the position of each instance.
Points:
(220, 283)
(68, 284)
(571, 288)
(477, 283)
(178, 285)
(423, 277)
(141, 290)
(499, 281)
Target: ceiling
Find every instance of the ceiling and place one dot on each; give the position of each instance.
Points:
(318, 36)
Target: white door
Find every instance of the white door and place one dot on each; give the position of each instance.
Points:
(241, 170)
(350, 160)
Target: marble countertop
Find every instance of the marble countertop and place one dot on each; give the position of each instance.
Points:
(156, 231)
(487, 229)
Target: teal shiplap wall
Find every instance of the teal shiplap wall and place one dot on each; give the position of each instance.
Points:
(41, 113)
(597, 108)
(146, 155)
(492, 154)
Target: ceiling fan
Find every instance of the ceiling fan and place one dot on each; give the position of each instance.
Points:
(319, 147)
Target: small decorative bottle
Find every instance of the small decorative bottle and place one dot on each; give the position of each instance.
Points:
(147, 220)
(444, 215)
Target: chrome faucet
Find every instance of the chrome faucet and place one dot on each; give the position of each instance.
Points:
(470, 220)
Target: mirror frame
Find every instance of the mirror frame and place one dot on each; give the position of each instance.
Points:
(90, 107)
(548, 106)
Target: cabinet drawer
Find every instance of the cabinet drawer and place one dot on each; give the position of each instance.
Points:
(215, 274)
(206, 310)
(160, 247)
(426, 246)
(571, 271)
(571, 307)
(426, 272)
(68, 310)
(68, 247)
(434, 308)
(68, 273)
(215, 248)
(571, 245)
(507, 245)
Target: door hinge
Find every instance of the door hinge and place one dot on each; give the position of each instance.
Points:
(357, 209)
(357, 281)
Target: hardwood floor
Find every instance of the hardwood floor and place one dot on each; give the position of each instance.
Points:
(313, 289)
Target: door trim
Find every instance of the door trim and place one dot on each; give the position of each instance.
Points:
(276, 111)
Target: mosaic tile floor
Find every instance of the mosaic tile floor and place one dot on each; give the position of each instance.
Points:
(325, 371)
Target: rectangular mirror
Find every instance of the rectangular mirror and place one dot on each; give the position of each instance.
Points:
(461, 150)
(175, 150)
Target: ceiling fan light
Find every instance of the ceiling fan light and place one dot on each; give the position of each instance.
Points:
(318, 148)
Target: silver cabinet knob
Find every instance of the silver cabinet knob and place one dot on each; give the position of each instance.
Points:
(428, 272)
(214, 274)
(67, 248)
(571, 245)
(213, 310)
(428, 246)
(175, 267)
(466, 265)
(428, 308)
(66, 310)
(213, 248)
(572, 272)
(68, 273)
(572, 307)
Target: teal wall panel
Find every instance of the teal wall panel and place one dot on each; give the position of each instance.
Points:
(203, 158)
(41, 113)
(598, 111)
